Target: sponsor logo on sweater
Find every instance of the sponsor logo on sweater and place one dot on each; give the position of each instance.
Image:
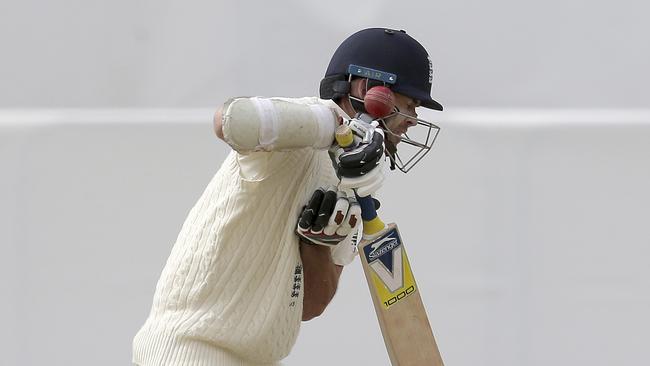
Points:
(297, 283)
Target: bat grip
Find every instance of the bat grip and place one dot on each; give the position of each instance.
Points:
(372, 224)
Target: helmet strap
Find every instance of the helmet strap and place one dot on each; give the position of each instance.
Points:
(357, 105)
(391, 149)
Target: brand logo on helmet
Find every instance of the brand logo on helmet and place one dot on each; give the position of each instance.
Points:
(430, 70)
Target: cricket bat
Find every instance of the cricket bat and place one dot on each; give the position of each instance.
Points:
(401, 314)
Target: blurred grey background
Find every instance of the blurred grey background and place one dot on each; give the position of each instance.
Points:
(526, 225)
(502, 53)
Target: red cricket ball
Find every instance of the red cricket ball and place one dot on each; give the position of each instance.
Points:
(379, 101)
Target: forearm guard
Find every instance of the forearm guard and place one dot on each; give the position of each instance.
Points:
(272, 124)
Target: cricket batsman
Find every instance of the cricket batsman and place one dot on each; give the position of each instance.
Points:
(264, 246)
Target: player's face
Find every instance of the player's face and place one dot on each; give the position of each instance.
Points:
(399, 123)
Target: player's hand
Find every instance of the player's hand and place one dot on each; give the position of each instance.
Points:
(329, 217)
(360, 166)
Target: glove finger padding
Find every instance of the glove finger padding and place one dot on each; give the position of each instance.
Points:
(325, 211)
(352, 218)
(338, 215)
(329, 217)
(310, 211)
(363, 158)
(359, 170)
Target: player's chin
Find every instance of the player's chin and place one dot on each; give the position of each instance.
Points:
(395, 139)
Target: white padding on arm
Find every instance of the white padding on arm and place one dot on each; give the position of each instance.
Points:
(324, 116)
(268, 121)
(266, 124)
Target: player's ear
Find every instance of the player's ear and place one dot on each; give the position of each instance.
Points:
(358, 88)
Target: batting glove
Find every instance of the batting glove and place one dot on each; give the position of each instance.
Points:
(360, 166)
(329, 217)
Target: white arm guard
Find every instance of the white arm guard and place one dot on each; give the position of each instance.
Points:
(266, 124)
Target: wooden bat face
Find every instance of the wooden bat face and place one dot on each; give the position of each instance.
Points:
(391, 275)
(401, 314)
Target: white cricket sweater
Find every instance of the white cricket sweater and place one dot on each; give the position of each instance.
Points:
(231, 291)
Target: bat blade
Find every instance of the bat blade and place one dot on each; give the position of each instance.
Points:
(401, 314)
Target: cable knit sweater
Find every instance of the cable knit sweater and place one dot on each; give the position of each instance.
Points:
(231, 290)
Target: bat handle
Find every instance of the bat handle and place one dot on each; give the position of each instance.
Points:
(372, 224)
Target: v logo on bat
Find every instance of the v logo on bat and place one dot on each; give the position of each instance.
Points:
(391, 273)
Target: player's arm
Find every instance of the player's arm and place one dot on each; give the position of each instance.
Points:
(321, 278)
(218, 126)
(327, 230)
(272, 124)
